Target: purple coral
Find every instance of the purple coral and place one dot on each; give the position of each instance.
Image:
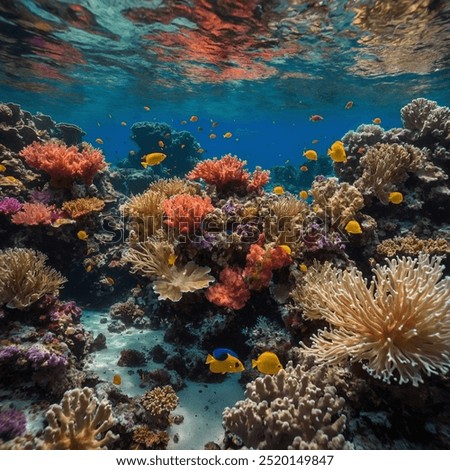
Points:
(9, 352)
(44, 196)
(66, 311)
(10, 205)
(41, 357)
(12, 424)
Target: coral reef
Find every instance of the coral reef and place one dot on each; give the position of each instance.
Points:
(78, 422)
(399, 326)
(298, 408)
(159, 403)
(411, 245)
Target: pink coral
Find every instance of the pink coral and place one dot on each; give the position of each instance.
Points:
(260, 263)
(64, 164)
(33, 214)
(228, 174)
(185, 212)
(231, 291)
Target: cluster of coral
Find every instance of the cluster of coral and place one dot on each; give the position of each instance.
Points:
(215, 260)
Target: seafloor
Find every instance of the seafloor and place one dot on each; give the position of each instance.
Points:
(116, 282)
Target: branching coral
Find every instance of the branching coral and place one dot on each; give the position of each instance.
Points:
(398, 326)
(159, 402)
(173, 186)
(146, 213)
(33, 214)
(24, 277)
(337, 202)
(185, 212)
(83, 206)
(385, 166)
(231, 290)
(145, 439)
(77, 422)
(411, 245)
(297, 408)
(64, 164)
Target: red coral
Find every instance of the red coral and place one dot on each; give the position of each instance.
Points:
(64, 164)
(260, 263)
(231, 291)
(33, 214)
(228, 174)
(259, 178)
(186, 212)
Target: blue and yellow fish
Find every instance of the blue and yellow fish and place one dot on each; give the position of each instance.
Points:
(229, 364)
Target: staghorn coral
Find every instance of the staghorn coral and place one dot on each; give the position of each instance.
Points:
(64, 164)
(24, 277)
(77, 422)
(385, 166)
(411, 245)
(181, 279)
(33, 214)
(159, 403)
(85, 205)
(146, 213)
(336, 202)
(398, 326)
(173, 186)
(298, 408)
(185, 212)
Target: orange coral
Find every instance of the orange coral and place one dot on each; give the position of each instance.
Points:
(64, 164)
(83, 206)
(228, 174)
(231, 291)
(33, 214)
(185, 212)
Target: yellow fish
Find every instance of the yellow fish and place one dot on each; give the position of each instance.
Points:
(286, 248)
(353, 227)
(2, 168)
(117, 379)
(99, 141)
(152, 159)
(160, 144)
(310, 154)
(337, 152)
(227, 135)
(230, 364)
(267, 363)
(303, 268)
(303, 194)
(395, 197)
(82, 235)
(171, 259)
(278, 190)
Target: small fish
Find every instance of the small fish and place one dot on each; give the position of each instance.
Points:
(353, 227)
(395, 197)
(183, 122)
(377, 121)
(360, 150)
(221, 353)
(337, 152)
(98, 124)
(303, 268)
(286, 248)
(230, 364)
(267, 363)
(315, 141)
(161, 144)
(61, 221)
(167, 135)
(214, 124)
(99, 141)
(193, 118)
(152, 159)
(303, 194)
(123, 123)
(315, 118)
(200, 128)
(278, 190)
(82, 235)
(171, 259)
(110, 116)
(147, 108)
(132, 153)
(310, 154)
(212, 136)
(182, 146)
(88, 268)
(349, 105)
(227, 135)
(304, 168)
(117, 379)
(109, 281)
(200, 151)
(2, 168)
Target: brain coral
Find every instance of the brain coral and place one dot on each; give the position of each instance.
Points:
(296, 409)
